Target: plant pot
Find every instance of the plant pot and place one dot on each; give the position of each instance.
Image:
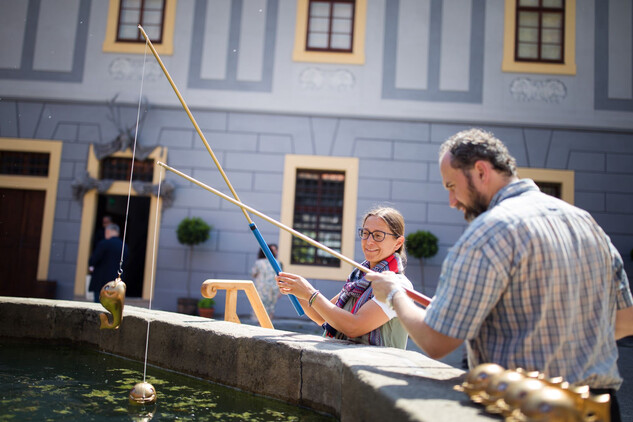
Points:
(187, 305)
(206, 312)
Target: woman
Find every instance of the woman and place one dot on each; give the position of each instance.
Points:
(264, 280)
(354, 313)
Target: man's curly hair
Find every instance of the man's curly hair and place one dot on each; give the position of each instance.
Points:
(469, 146)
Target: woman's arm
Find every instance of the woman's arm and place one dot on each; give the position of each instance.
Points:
(369, 317)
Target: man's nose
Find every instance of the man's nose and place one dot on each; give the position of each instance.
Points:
(452, 201)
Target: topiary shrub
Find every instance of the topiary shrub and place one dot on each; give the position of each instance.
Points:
(191, 232)
(422, 245)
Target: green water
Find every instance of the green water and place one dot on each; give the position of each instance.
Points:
(44, 382)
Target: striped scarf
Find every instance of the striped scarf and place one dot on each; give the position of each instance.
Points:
(357, 287)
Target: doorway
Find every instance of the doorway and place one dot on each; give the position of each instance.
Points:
(21, 213)
(135, 235)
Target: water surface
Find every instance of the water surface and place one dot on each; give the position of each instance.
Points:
(54, 382)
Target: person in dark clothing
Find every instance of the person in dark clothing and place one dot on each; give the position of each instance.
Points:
(100, 233)
(105, 260)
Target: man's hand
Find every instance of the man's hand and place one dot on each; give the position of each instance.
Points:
(383, 283)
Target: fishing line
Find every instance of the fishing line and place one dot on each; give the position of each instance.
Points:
(151, 285)
(129, 190)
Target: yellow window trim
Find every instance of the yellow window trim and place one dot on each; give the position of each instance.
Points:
(564, 177)
(357, 56)
(47, 184)
(350, 167)
(89, 214)
(110, 45)
(566, 68)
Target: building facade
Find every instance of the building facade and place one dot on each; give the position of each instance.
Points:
(355, 94)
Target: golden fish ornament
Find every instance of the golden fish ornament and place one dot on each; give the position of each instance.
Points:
(112, 297)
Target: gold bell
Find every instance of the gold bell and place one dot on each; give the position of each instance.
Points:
(550, 404)
(477, 380)
(498, 387)
(143, 393)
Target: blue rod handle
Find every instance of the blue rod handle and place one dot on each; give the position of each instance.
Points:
(275, 264)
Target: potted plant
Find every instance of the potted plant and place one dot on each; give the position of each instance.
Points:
(191, 232)
(422, 245)
(206, 307)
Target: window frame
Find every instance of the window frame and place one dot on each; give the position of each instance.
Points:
(348, 165)
(165, 47)
(356, 56)
(563, 177)
(317, 211)
(329, 49)
(139, 36)
(540, 10)
(510, 64)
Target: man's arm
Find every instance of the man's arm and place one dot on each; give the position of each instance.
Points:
(435, 344)
(624, 323)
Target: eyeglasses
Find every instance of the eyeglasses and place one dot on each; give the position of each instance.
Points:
(378, 235)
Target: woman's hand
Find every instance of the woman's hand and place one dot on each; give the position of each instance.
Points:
(294, 284)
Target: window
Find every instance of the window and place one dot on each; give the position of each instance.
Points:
(558, 183)
(319, 200)
(24, 163)
(540, 36)
(330, 25)
(118, 168)
(540, 31)
(157, 18)
(318, 213)
(330, 31)
(147, 13)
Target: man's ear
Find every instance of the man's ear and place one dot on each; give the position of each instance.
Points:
(482, 170)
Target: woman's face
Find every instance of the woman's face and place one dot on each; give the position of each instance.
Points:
(377, 251)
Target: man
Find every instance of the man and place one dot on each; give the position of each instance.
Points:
(100, 233)
(105, 260)
(532, 283)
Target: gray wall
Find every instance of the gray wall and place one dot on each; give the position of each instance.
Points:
(398, 165)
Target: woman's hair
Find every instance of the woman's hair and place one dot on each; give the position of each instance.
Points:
(472, 145)
(395, 222)
(261, 253)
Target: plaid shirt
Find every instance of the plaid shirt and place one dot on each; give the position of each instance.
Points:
(534, 283)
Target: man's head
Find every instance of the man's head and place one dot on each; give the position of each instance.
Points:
(106, 221)
(112, 230)
(474, 166)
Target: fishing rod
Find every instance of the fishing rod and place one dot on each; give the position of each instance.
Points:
(260, 239)
(415, 296)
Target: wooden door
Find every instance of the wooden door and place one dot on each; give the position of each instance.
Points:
(21, 213)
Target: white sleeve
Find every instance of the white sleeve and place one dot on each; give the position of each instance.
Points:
(404, 282)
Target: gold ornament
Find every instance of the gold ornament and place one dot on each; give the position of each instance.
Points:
(143, 393)
(112, 297)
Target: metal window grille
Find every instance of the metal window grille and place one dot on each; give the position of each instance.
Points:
(551, 188)
(540, 31)
(318, 213)
(150, 14)
(118, 168)
(24, 163)
(330, 25)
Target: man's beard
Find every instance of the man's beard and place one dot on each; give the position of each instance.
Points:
(478, 203)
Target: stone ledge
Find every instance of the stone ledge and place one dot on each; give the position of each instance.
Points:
(326, 375)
